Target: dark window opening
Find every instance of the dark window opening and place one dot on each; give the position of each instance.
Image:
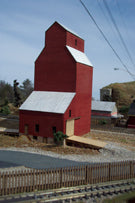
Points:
(75, 42)
(35, 137)
(37, 128)
(69, 113)
(54, 129)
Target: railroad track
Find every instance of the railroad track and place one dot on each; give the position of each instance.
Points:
(94, 193)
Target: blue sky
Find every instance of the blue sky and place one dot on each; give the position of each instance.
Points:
(22, 36)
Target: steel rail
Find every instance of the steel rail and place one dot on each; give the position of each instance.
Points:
(73, 194)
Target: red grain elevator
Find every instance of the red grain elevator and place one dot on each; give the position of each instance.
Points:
(61, 100)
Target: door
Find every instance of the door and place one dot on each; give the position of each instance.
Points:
(70, 127)
(26, 129)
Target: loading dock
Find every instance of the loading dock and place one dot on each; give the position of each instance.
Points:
(85, 142)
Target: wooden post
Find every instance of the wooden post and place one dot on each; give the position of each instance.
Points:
(0, 184)
(33, 172)
(64, 177)
(17, 174)
(72, 172)
(90, 177)
(9, 186)
(27, 181)
(37, 180)
(60, 177)
(21, 181)
(31, 179)
(51, 179)
(12, 177)
(47, 173)
(3, 183)
(131, 169)
(109, 171)
(24, 173)
(86, 174)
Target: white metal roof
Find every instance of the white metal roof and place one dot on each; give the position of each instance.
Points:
(103, 106)
(45, 101)
(79, 56)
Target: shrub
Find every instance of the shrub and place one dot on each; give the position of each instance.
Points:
(124, 109)
(59, 137)
(102, 122)
(5, 110)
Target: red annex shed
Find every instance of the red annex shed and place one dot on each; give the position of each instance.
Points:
(131, 116)
(61, 100)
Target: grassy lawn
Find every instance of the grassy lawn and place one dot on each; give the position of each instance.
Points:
(125, 198)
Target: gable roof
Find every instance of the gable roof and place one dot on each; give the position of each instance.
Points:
(79, 56)
(102, 106)
(132, 109)
(74, 33)
(65, 28)
(45, 101)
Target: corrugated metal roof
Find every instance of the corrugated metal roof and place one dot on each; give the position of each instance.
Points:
(79, 56)
(103, 106)
(44, 101)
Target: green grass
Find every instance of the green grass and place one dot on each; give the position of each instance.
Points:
(122, 198)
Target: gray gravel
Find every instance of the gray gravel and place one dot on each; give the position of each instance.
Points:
(112, 152)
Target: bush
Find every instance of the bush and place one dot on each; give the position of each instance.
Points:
(124, 109)
(102, 122)
(59, 137)
(5, 110)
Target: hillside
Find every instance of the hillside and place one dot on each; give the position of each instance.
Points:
(122, 93)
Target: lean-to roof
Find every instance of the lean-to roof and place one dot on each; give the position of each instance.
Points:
(47, 101)
(79, 56)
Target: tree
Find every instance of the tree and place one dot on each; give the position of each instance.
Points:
(14, 94)
(6, 93)
(17, 95)
(26, 88)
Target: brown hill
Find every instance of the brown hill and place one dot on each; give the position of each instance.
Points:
(122, 93)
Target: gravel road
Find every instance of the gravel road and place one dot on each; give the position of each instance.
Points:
(34, 158)
(10, 158)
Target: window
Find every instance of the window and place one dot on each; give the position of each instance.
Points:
(37, 128)
(54, 129)
(75, 42)
(70, 113)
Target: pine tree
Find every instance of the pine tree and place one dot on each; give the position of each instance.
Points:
(17, 95)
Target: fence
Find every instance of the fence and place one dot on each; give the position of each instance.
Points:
(31, 180)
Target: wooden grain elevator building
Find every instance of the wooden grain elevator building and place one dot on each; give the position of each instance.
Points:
(61, 100)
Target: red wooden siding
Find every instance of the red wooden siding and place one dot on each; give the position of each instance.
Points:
(56, 70)
(81, 104)
(55, 67)
(74, 41)
(131, 122)
(45, 121)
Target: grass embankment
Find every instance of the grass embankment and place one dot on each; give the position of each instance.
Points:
(123, 93)
(24, 142)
